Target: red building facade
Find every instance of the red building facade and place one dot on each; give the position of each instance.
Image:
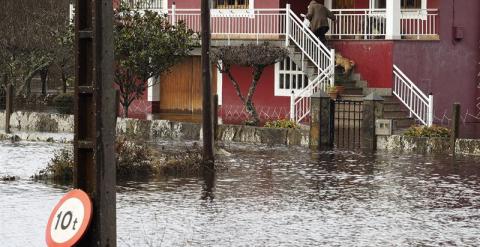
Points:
(439, 52)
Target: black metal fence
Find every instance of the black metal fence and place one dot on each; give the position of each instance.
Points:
(348, 117)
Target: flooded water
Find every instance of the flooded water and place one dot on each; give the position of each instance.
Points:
(270, 197)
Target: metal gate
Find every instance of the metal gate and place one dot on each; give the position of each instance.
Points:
(348, 117)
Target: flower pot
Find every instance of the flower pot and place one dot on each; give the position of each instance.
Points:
(340, 89)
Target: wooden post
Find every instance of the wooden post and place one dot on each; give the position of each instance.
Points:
(208, 157)
(8, 107)
(94, 153)
(215, 117)
(455, 126)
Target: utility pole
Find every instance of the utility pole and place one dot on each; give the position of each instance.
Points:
(94, 170)
(208, 157)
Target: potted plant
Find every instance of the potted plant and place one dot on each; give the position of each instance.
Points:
(334, 91)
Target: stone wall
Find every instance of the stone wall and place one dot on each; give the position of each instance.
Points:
(44, 127)
(423, 145)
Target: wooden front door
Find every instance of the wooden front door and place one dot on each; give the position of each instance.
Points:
(181, 88)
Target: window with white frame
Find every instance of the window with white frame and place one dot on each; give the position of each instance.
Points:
(231, 4)
(289, 77)
(240, 8)
(405, 4)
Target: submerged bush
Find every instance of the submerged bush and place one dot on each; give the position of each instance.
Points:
(60, 167)
(133, 161)
(424, 131)
(282, 124)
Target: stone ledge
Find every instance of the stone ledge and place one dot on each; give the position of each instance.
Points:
(424, 145)
(56, 127)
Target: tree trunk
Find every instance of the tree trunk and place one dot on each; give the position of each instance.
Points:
(43, 77)
(249, 106)
(125, 110)
(64, 80)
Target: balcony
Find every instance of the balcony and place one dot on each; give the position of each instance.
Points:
(270, 24)
(371, 24)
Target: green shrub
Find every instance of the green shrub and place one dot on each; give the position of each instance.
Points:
(64, 103)
(424, 131)
(282, 124)
(60, 167)
(134, 161)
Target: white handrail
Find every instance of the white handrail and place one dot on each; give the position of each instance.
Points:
(418, 103)
(300, 102)
(315, 51)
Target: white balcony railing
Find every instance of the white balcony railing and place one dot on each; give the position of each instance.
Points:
(256, 24)
(371, 23)
(270, 23)
(418, 103)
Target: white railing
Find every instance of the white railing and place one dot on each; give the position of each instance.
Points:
(300, 103)
(418, 103)
(358, 23)
(371, 23)
(416, 23)
(318, 54)
(231, 24)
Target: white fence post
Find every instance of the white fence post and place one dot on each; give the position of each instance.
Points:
(332, 63)
(430, 109)
(288, 27)
(174, 18)
(292, 106)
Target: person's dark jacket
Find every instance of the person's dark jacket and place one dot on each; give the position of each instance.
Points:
(318, 14)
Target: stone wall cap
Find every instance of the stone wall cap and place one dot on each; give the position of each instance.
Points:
(373, 97)
(320, 94)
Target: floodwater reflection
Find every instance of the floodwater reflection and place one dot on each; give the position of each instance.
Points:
(270, 196)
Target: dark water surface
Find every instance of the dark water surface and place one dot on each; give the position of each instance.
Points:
(270, 197)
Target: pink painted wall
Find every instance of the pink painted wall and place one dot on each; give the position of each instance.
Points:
(448, 68)
(373, 59)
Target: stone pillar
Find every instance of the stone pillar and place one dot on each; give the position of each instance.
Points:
(372, 110)
(393, 13)
(321, 124)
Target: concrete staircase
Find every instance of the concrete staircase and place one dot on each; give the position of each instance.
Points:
(356, 89)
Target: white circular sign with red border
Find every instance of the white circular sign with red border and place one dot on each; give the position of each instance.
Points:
(69, 219)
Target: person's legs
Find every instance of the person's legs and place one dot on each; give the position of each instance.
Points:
(318, 33)
(321, 34)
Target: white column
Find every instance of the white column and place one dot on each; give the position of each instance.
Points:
(153, 91)
(287, 25)
(328, 4)
(393, 12)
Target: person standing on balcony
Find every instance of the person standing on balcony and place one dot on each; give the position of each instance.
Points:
(318, 16)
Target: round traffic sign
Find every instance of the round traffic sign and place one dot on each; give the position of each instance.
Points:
(69, 219)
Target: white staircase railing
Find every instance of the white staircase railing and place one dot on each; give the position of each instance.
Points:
(418, 103)
(318, 54)
(300, 103)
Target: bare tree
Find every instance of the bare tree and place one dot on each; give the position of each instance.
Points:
(29, 29)
(257, 57)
